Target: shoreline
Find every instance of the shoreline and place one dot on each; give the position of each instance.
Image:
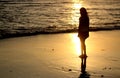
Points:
(29, 31)
(56, 56)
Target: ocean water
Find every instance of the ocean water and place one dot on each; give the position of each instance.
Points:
(60, 14)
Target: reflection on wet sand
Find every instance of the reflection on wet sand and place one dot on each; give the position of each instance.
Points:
(84, 73)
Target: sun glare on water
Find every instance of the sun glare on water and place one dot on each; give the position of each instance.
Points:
(76, 43)
(77, 6)
(75, 38)
(75, 13)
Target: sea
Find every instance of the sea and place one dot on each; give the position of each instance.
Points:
(59, 14)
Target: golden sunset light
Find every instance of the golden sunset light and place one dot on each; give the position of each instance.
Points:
(77, 6)
(75, 13)
(59, 39)
(76, 43)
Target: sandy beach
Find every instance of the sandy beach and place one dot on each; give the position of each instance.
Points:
(56, 56)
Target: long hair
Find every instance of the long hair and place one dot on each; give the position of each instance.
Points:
(83, 12)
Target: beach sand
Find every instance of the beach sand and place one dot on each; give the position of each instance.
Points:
(56, 56)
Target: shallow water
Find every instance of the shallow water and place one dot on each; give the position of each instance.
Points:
(56, 55)
(62, 14)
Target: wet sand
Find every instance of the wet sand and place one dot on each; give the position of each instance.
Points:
(56, 56)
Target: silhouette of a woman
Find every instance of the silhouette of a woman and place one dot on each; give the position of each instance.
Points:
(83, 30)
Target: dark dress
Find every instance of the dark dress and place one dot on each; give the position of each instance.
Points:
(83, 31)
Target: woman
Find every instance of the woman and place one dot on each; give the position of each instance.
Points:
(83, 30)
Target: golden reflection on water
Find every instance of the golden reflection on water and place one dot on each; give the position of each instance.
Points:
(77, 6)
(75, 12)
(75, 21)
(76, 43)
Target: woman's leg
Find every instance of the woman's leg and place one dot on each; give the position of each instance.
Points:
(83, 47)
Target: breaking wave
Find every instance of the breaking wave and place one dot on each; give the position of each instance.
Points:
(26, 31)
